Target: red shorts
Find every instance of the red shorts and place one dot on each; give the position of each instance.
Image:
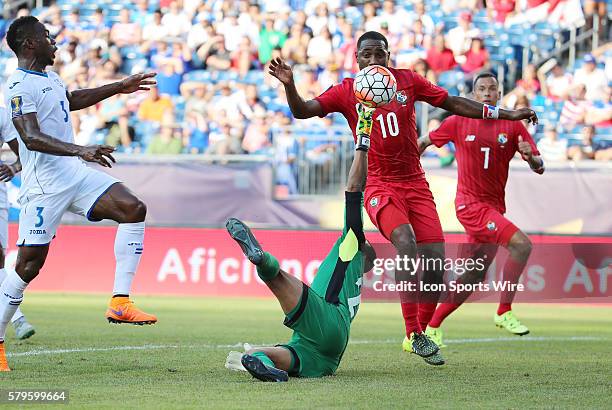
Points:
(485, 224)
(391, 204)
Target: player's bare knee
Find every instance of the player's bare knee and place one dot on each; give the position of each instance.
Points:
(137, 212)
(520, 247)
(404, 241)
(29, 269)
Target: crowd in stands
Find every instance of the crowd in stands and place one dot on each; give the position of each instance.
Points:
(213, 95)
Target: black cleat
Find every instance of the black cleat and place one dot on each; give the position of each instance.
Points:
(435, 359)
(245, 238)
(424, 346)
(260, 371)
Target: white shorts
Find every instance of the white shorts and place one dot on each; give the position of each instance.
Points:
(41, 214)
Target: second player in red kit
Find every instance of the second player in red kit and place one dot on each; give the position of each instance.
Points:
(484, 150)
(397, 197)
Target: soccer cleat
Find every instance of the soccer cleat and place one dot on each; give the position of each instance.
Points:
(435, 334)
(420, 344)
(509, 322)
(435, 359)
(123, 310)
(262, 372)
(245, 238)
(23, 329)
(4, 367)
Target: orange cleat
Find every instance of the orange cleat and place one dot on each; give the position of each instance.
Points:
(122, 310)
(4, 367)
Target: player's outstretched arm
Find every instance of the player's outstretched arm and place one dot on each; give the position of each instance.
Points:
(473, 109)
(35, 140)
(8, 171)
(87, 97)
(300, 108)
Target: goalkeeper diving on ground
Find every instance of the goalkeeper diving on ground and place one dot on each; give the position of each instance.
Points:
(320, 315)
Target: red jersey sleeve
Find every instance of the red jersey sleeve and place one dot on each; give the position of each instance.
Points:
(446, 132)
(522, 132)
(428, 92)
(334, 99)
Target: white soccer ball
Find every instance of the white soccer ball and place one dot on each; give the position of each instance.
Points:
(375, 86)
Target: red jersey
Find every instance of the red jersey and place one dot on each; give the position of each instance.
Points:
(394, 154)
(484, 149)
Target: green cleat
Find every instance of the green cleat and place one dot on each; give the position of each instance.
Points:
(423, 346)
(23, 329)
(509, 322)
(435, 334)
(435, 359)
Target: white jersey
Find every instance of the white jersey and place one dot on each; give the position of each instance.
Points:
(7, 133)
(44, 94)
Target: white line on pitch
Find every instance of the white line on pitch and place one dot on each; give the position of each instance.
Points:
(355, 342)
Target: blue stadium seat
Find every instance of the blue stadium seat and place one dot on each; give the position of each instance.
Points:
(203, 76)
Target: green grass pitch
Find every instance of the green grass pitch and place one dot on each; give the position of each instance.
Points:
(566, 361)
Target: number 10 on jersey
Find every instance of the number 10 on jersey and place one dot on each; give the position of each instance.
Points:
(390, 125)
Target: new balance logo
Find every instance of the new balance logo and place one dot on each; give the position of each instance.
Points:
(470, 138)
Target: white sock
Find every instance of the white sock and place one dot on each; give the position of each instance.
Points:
(11, 295)
(18, 314)
(128, 250)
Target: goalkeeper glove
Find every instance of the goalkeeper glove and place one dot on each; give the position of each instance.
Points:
(364, 127)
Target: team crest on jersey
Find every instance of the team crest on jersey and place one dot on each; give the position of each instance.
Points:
(401, 97)
(491, 226)
(374, 202)
(470, 138)
(502, 139)
(16, 104)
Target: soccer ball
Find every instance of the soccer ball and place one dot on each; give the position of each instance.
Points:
(374, 86)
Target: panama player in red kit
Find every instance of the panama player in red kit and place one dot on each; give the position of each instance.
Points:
(397, 196)
(484, 150)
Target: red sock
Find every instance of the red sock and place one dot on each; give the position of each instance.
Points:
(512, 273)
(426, 311)
(410, 311)
(442, 313)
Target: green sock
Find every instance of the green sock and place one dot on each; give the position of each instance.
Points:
(269, 268)
(264, 358)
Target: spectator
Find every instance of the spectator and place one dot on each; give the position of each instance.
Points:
(409, 51)
(439, 57)
(321, 19)
(167, 142)
(244, 58)
(224, 141)
(231, 30)
(257, 135)
(477, 59)
(269, 39)
(419, 14)
(320, 51)
(575, 108)
(154, 31)
(593, 78)
(176, 21)
(558, 84)
(170, 76)
(499, 10)
(125, 32)
(460, 38)
(394, 17)
(588, 148)
(155, 106)
(551, 147)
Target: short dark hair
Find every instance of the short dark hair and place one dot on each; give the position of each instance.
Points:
(18, 31)
(484, 74)
(372, 35)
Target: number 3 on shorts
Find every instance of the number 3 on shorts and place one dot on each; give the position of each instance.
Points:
(40, 221)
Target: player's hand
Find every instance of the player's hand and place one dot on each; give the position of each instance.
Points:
(137, 82)
(281, 71)
(525, 114)
(8, 171)
(525, 149)
(100, 154)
